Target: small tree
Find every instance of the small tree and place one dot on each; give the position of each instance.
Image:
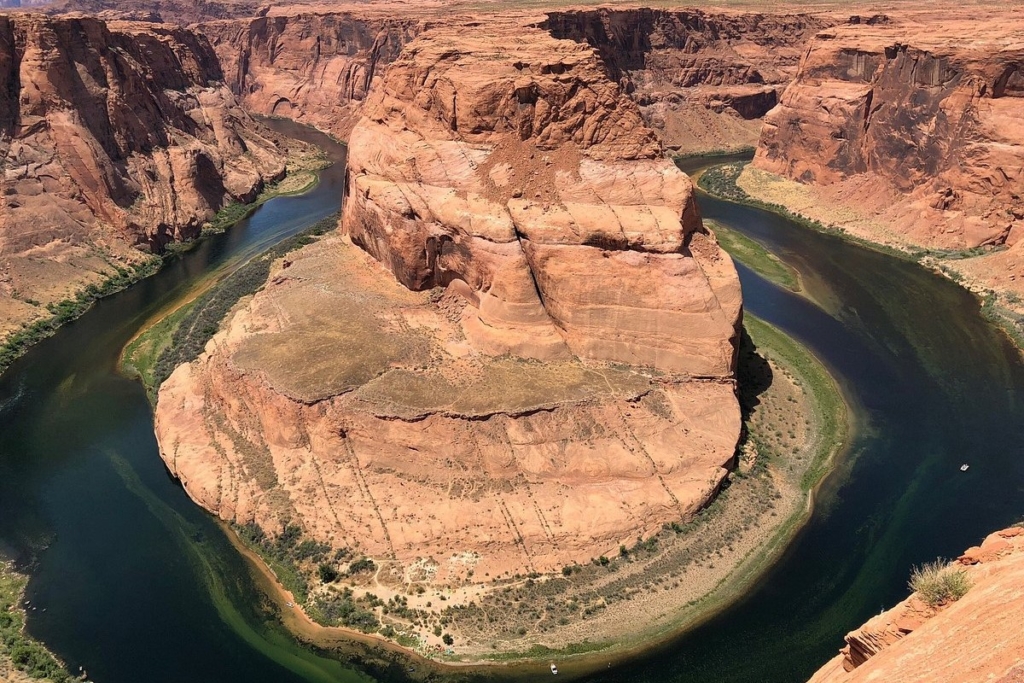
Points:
(447, 639)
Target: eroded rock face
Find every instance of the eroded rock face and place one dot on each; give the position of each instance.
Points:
(976, 638)
(495, 370)
(522, 176)
(703, 80)
(111, 137)
(927, 114)
(128, 124)
(314, 68)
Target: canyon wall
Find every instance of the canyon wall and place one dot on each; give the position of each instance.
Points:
(916, 122)
(314, 68)
(112, 137)
(703, 80)
(976, 638)
(520, 355)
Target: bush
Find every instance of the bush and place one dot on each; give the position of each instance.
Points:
(328, 574)
(447, 639)
(937, 582)
(363, 565)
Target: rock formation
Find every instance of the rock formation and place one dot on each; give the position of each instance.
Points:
(112, 137)
(527, 178)
(918, 122)
(703, 80)
(314, 68)
(539, 371)
(977, 638)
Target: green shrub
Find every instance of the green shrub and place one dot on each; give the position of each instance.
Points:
(938, 582)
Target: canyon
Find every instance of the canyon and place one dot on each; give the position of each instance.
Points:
(906, 131)
(703, 80)
(116, 140)
(518, 354)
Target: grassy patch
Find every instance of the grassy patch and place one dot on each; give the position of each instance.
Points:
(938, 582)
(756, 257)
(21, 651)
(828, 406)
(712, 153)
(182, 336)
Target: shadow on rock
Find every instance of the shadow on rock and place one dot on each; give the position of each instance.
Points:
(753, 373)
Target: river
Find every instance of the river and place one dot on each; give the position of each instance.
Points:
(139, 585)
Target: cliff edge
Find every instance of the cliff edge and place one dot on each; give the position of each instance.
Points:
(976, 638)
(115, 139)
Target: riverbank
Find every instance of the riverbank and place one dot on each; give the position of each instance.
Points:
(22, 659)
(180, 335)
(302, 164)
(979, 270)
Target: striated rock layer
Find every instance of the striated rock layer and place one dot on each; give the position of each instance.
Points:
(977, 638)
(314, 68)
(112, 137)
(525, 178)
(703, 80)
(539, 368)
(917, 122)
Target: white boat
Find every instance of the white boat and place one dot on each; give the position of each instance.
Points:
(964, 467)
(554, 669)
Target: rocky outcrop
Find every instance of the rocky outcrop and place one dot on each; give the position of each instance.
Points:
(314, 68)
(976, 638)
(538, 369)
(917, 122)
(112, 137)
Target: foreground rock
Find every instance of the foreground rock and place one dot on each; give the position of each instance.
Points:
(114, 139)
(977, 638)
(539, 369)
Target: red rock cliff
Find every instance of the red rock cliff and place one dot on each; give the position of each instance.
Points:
(507, 162)
(111, 136)
(314, 68)
(919, 122)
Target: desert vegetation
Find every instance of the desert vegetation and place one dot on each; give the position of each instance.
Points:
(939, 582)
(17, 649)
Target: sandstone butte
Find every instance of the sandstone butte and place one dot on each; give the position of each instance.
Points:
(114, 138)
(913, 123)
(976, 638)
(527, 361)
